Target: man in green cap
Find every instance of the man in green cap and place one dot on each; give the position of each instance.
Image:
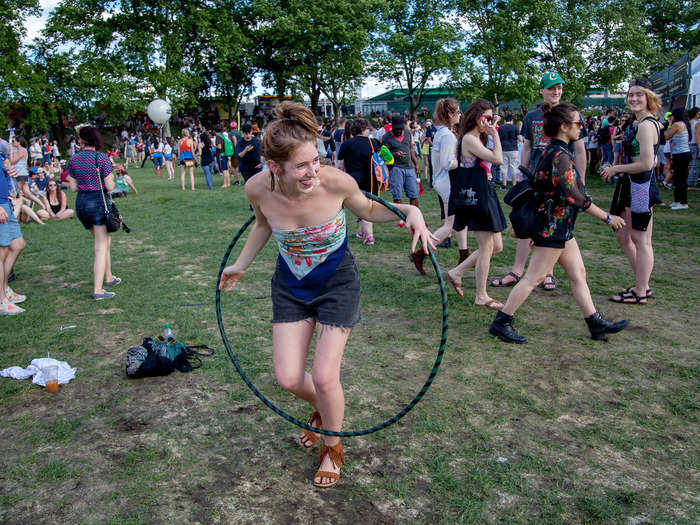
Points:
(534, 143)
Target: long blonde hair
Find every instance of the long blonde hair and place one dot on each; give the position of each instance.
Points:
(653, 100)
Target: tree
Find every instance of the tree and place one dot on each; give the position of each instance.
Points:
(592, 43)
(416, 40)
(499, 60)
(671, 26)
(226, 65)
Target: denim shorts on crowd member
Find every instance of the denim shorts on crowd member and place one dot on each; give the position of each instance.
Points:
(403, 180)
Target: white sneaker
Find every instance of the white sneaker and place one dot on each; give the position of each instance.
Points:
(678, 206)
(14, 297)
(10, 309)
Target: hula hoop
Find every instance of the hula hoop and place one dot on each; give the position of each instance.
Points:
(282, 413)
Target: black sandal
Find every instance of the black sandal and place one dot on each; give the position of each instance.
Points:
(549, 286)
(500, 282)
(630, 288)
(623, 298)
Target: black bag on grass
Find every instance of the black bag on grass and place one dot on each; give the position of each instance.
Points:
(158, 357)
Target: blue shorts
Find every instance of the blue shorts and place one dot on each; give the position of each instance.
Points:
(168, 156)
(9, 230)
(223, 163)
(90, 208)
(157, 162)
(403, 179)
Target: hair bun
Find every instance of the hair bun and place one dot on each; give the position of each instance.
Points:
(547, 108)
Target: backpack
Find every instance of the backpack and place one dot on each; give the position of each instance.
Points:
(379, 169)
(228, 146)
(158, 357)
(604, 134)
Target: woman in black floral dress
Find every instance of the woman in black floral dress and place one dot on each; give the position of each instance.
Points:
(559, 194)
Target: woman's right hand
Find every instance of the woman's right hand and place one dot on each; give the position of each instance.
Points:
(231, 275)
(616, 222)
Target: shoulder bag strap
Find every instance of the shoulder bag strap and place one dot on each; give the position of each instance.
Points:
(657, 125)
(102, 186)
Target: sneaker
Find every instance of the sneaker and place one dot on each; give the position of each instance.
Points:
(113, 282)
(369, 240)
(10, 309)
(237, 183)
(667, 185)
(105, 295)
(401, 224)
(360, 234)
(447, 243)
(678, 206)
(13, 297)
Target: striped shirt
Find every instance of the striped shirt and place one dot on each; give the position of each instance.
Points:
(81, 167)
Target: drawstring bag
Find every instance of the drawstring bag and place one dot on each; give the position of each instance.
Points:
(158, 357)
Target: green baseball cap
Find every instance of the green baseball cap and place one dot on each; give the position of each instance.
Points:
(667, 115)
(550, 79)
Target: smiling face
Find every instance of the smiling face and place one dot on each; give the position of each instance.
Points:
(552, 95)
(300, 172)
(637, 99)
(572, 129)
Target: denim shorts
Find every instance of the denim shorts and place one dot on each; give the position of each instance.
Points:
(10, 229)
(223, 163)
(90, 208)
(157, 162)
(338, 304)
(403, 179)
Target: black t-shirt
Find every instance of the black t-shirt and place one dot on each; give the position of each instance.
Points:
(356, 153)
(509, 137)
(248, 162)
(533, 130)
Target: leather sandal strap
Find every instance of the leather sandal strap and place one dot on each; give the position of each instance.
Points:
(326, 474)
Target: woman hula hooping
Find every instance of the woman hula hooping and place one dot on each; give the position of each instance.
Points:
(559, 193)
(636, 192)
(316, 282)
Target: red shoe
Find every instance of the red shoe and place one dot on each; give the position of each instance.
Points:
(401, 224)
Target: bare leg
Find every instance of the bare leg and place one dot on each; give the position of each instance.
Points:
(191, 178)
(572, 262)
(109, 276)
(645, 259)
(3, 273)
(8, 262)
(542, 259)
(489, 243)
(182, 176)
(26, 210)
(444, 231)
(65, 214)
(101, 238)
(227, 179)
(522, 251)
(330, 345)
(624, 239)
(367, 227)
(462, 239)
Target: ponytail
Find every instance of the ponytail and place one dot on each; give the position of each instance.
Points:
(556, 115)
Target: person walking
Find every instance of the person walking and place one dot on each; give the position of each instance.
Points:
(90, 175)
(559, 194)
(208, 156)
(508, 134)
(444, 159)
(402, 176)
(535, 141)
(477, 207)
(11, 241)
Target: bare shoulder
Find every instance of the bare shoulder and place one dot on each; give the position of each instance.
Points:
(257, 185)
(336, 181)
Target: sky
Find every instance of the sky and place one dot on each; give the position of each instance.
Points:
(34, 25)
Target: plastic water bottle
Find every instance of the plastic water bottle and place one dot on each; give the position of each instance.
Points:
(168, 333)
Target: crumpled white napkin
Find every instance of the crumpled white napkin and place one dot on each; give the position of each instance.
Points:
(36, 370)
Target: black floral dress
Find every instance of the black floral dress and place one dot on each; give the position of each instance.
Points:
(560, 195)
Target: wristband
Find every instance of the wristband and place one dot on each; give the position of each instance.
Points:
(609, 219)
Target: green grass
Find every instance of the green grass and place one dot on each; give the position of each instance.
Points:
(561, 430)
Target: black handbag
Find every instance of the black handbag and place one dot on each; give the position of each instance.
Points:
(524, 217)
(468, 189)
(113, 219)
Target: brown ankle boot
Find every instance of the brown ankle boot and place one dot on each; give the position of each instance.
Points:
(418, 257)
(463, 255)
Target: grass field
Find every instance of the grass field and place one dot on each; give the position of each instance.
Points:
(560, 430)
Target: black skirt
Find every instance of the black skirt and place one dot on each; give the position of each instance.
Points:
(492, 220)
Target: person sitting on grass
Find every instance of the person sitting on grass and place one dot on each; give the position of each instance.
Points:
(55, 202)
(122, 182)
(23, 210)
(559, 194)
(301, 203)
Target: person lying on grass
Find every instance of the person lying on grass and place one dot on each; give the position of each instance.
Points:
(316, 283)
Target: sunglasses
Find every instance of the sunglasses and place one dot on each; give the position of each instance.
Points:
(576, 123)
(487, 118)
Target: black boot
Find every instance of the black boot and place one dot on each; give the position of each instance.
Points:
(600, 326)
(502, 327)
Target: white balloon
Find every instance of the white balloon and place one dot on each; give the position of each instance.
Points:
(159, 111)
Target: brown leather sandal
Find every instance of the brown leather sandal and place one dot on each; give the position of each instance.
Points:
(337, 458)
(311, 438)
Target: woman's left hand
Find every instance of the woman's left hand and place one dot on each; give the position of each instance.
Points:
(419, 231)
(608, 173)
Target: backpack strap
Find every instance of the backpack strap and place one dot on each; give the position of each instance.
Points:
(657, 125)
